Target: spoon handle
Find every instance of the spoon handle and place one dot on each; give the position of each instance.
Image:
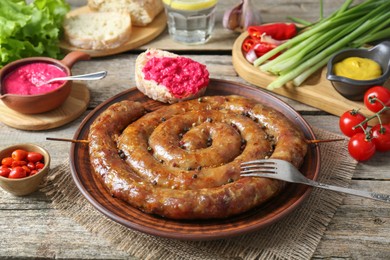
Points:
(90, 76)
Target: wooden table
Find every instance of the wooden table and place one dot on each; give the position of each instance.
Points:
(31, 228)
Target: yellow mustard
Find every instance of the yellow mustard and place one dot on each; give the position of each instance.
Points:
(358, 68)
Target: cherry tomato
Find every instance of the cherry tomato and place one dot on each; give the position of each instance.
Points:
(17, 173)
(28, 170)
(18, 163)
(31, 165)
(381, 137)
(39, 166)
(21, 164)
(34, 157)
(5, 172)
(7, 161)
(350, 119)
(379, 92)
(19, 155)
(360, 148)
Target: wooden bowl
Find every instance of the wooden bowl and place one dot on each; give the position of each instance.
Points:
(27, 185)
(35, 104)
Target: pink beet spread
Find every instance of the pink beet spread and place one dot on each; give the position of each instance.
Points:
(181, 76)
(27, 79)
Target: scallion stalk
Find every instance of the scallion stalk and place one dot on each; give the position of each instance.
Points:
(349, 26)
(325, 54)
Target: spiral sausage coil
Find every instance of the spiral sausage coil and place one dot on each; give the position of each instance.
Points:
(182, 161)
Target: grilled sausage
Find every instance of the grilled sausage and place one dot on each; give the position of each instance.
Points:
(183, 161)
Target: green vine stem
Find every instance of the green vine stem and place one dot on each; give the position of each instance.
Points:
(376, 115)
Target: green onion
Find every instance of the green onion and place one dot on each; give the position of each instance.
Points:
(348, 27)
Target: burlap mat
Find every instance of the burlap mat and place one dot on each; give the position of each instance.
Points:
(294, 237)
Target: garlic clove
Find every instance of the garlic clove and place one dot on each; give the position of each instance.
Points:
(250, 15)
(241, 16)
(232, 17)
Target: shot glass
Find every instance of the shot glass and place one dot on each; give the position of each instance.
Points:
(190, 21)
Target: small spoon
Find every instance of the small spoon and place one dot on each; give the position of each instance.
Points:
(90, 76)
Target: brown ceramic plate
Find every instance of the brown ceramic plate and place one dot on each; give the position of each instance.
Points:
(121, 212)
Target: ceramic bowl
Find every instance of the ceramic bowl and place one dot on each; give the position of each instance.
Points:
(355, 89)
(27, 185)
(40, 103)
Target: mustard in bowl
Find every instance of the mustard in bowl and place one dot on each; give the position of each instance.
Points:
(353, 71)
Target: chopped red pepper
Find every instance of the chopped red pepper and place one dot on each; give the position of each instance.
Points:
(278, 31)
(262, 48)
(248, 44)
(256, 45)
(259, 47)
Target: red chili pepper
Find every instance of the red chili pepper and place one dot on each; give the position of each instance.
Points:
(278, 31)
(259, 48)
(248, 44)
(262, 48)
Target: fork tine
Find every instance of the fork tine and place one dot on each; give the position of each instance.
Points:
(260, 166)
(262, 175)
(258, 162)
(257, 171)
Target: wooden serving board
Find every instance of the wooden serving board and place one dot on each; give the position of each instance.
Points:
(316, 91)
(74, 106)
(139, 35)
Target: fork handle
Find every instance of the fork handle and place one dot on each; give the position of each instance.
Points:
(361, 193)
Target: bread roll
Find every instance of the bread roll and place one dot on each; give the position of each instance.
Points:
(142, 12)
(196, 83)
(97, 30)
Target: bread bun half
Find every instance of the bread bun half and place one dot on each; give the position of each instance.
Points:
(97, 30)
(168, 77)
(142, 12)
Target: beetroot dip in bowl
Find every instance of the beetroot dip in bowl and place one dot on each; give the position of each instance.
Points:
(30, 78)
(22, 87)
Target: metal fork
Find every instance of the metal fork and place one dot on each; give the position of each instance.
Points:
(285, 171)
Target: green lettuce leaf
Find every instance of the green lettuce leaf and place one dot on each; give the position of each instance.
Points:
(28, 30)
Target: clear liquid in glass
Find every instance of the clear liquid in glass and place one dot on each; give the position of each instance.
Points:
(190, 27)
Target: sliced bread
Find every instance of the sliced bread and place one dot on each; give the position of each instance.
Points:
(160, 92)
(97, 30)
(142, 12)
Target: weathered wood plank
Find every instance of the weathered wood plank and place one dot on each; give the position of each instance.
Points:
(360, 228)
(32, 228)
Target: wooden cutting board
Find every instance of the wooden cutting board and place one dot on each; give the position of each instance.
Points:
(139, 35)
(316, 91)
(74, 106)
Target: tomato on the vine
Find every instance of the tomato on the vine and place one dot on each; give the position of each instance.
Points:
(381, 137)
(350, 119)
(361, 148)
(378, 92)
